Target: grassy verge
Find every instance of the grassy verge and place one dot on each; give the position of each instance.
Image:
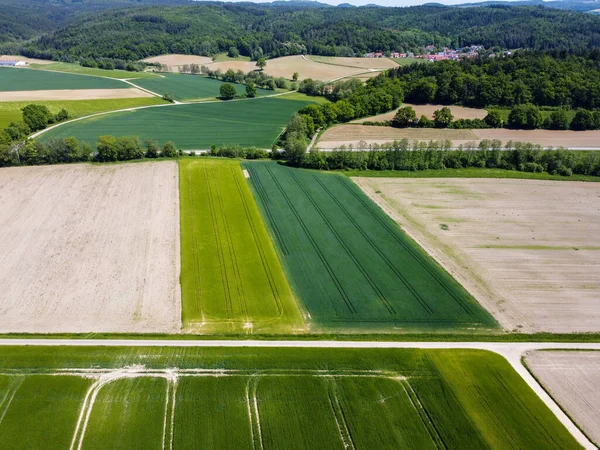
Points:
(305, 98)
(76, 68)
(11, 111)
(467, 173)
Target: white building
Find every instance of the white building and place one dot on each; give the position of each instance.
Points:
(12, 63)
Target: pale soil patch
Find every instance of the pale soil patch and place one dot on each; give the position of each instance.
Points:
(459, 112)
(572, 378)
(287, 65)
(23, 58)
(72, 94)
(526, 249)
(545, 138)
(360, 63)
(354, 134)
(89, 248)
(174, 60)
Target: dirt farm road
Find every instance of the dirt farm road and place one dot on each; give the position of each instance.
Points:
(511, 351)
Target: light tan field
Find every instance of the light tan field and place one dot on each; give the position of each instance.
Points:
(72, 94)
(353, 133)
(87, 248)
(360, 63)
(174, 61)
(459, 112)
(23, 58)
(287, 65)
(572, 379)
(527, 250)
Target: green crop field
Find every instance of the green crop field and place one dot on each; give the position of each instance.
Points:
(255, 122)
(190, 87)
(76, 68)
(231, 278)
(350, 264)
(11, 111)
(270, 398)
(12, 79)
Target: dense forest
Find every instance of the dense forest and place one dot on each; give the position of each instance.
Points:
(274, 30)
(544, 79)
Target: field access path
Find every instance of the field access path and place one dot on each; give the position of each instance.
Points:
(512, 352)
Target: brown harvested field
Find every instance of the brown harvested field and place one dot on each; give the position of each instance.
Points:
(287, 65)
(545, 138)
(572, 379)
(459, 112)
(527, 250)
(72, 94)
(23, 58)
(174, 60)
(360, 63)
(88, 248)
(355, 133)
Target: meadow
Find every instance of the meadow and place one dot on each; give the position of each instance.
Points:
(12, 80)
(271, 398)
(231, 279)
(190, 87)
(256, 122)
(351, 265)
(11, 111)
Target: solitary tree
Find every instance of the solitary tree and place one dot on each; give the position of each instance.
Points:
(405, 117)
(295, 76)
(250, 90)
(261, 63)
(227, 91)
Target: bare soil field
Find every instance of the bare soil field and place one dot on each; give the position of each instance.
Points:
(545, 138)
(89, 248)
(72, 94)
(361, 63)
(23, 58)
(287, 65)
(174, 60)
(355, 134)
(459, 112)
(572, 379)
(527, 250)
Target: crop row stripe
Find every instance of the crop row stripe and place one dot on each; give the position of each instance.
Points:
(349, 252)
(195, 253)
(373, 245)
(311, 239)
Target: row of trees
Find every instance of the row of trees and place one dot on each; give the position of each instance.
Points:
(403, 155)
(70, 150)
(35, 118)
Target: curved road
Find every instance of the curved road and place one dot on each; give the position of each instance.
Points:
(511, 351)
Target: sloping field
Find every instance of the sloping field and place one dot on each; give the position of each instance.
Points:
(350, 264)
(73, 94)
(11, 111)
(23, 58)
(347, 134)
(175, 60)
(231, 279)
(459, 112)
(526, 249)
(190, 87)
(12, 79)
(360, 63)
(197, 126)
(271, 398)
(89, 248)
(572, 379)
(287, 65)
(76, 68)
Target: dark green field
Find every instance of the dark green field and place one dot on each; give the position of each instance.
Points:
(349, 263)
(12, 79)
(269, 398)
(190, 87)
(255, 122)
